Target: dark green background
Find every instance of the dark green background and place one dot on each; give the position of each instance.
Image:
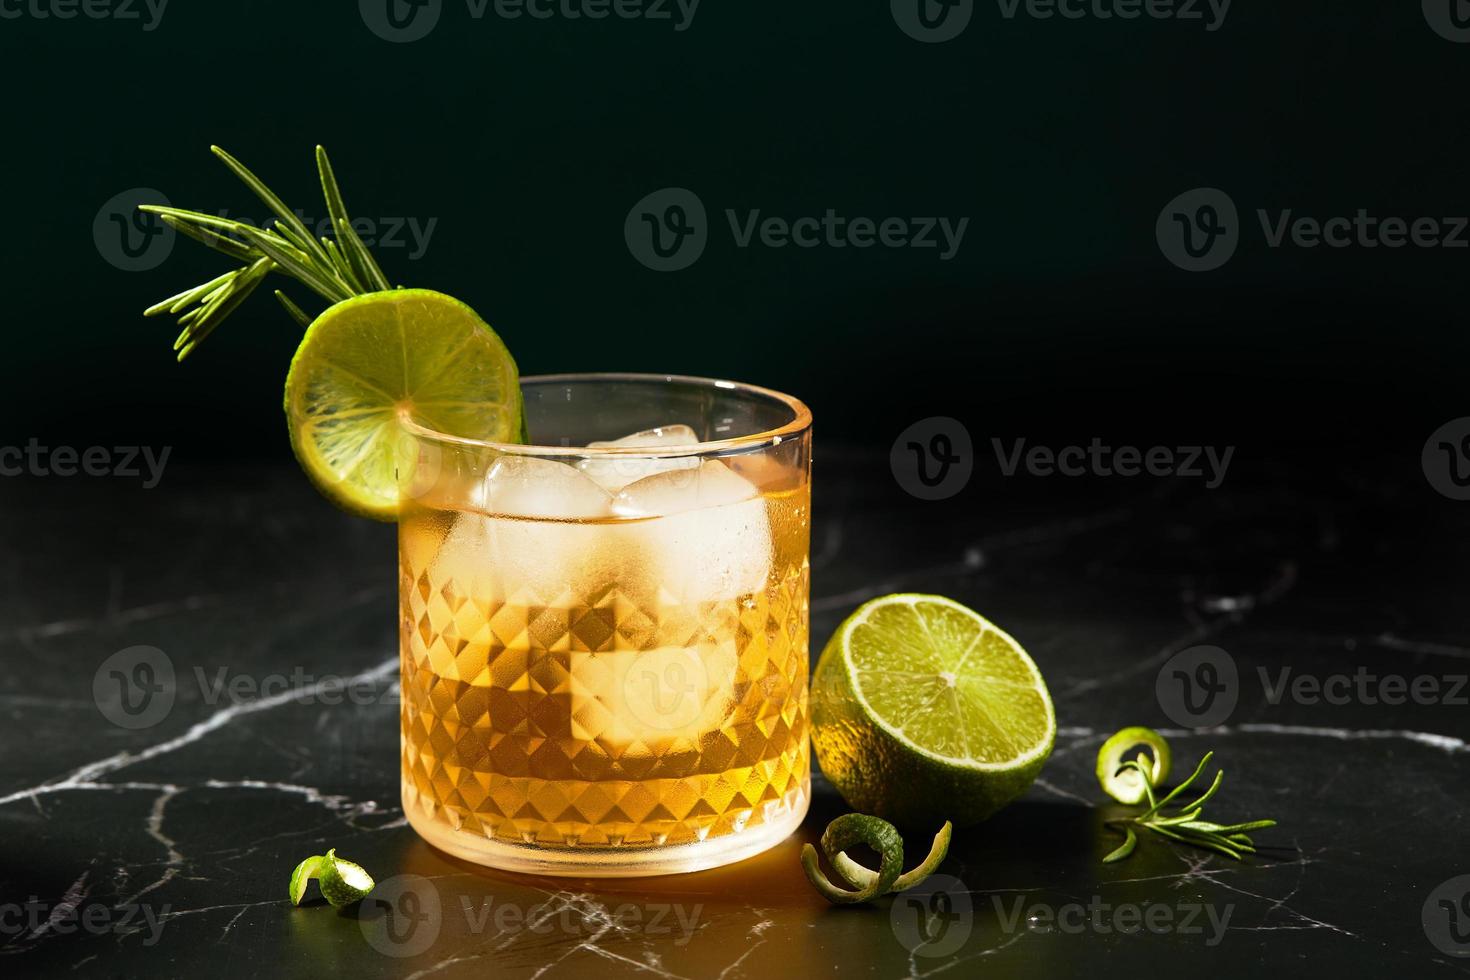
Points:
(530, 140)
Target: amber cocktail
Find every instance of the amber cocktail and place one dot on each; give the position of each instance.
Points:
(604, 633)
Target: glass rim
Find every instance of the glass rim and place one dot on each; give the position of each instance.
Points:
(800, 423)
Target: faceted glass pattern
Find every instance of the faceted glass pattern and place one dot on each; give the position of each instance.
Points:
(594, 687)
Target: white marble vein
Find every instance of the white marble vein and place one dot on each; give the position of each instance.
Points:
(86, 776)
(1444, 743)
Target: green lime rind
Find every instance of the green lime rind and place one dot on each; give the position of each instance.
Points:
(923, 711)
(1127, 785)
(301, 877)
(343, 882)
(848, 831)
(372, 363)
(860, 876)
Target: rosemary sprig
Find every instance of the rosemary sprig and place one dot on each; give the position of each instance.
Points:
(335, 269)
(1185, 823)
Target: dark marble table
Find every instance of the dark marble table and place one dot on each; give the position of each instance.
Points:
(163, 851)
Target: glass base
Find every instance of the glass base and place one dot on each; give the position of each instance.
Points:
(604, 862)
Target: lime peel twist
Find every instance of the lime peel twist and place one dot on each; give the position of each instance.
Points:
(1125, 783)
(342, 882)
(301, 877)
(859, 828)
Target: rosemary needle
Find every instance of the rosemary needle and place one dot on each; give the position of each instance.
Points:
(1182, 822)
(334, 269)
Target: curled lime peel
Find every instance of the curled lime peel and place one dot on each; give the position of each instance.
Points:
(1123, 781)
(301, 877)
(848, 831)
(343, 882)
(861, 877)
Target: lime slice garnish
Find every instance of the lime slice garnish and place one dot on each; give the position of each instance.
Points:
(343, 882)
(371, 362)
(301, 877)
(925, 711)
(1127, 786)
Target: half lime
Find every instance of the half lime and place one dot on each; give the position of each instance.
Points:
(925, 711)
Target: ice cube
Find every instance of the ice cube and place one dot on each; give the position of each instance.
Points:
(517, 552)
(613, 472)
(663, 436)
(713, 485)
(685, 537)
(705, 536)
(670, 563)
(523, 486)
(529, 562)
